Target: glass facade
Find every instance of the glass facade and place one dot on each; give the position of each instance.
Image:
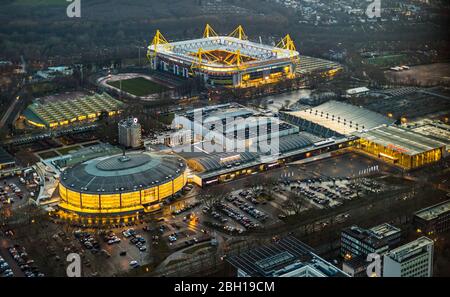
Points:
(120, 202)
(397, 157)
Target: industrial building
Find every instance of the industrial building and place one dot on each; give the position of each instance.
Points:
(288, 257)
(414, 259)
(231, 140)
(107, 189)
(433, 129)
(218, 167)
(130, 133)
(400, 146)
(434, 219)
(232, 124)
(225, 60)
(53, 114)
(335, 119)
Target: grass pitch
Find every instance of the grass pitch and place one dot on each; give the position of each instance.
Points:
(139, 86)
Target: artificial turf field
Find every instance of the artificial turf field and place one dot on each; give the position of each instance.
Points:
(138, 86)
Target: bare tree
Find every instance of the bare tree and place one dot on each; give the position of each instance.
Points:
(295, 202)
(212, 196)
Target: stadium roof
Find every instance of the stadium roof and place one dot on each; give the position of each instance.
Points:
(187, 49)
(311, 64)
(401, 140)
(342, 118)
(122, 173)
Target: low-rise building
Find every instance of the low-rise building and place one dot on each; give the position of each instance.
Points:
(433, 219)
(287, 257)
(414, 259)
(357, 241)
(6, 160)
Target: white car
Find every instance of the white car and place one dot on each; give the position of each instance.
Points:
(134, 264)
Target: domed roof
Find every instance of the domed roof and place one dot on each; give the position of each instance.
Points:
(123, 173)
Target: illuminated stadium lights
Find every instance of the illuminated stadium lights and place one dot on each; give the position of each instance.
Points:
(230, 60)
(121, 185)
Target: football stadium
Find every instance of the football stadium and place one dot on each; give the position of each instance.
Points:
(231, 60)
(120, 187)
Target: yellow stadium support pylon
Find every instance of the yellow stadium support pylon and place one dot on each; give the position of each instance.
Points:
(158, 40)
(209, 31)
(238, 33)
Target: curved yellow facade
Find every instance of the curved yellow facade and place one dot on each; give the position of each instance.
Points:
(120, 203)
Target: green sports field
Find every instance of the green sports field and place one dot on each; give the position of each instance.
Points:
(138, 86)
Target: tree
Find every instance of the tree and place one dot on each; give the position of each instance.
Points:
(212, 196)
(295, 202)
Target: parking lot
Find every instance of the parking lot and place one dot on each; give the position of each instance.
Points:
(15, 191)
(331, 192)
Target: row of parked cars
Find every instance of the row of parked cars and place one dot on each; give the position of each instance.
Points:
(8, 198)
(235, 215)
(26, 264)
(5, 270)
(186, 208)
(135, 239)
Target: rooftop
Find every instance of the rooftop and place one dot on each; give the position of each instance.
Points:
(434, 211)
(65, 111)
(310, 64)
(5, 157)
(122, 173)
(376, 237)
(342, 118)
(401, 140)
(282, 257)
(409, 250)
(384, 230)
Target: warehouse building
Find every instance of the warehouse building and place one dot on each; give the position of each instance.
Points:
(335, 119)
(232, 124)
(400, 146)
(218, 167)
